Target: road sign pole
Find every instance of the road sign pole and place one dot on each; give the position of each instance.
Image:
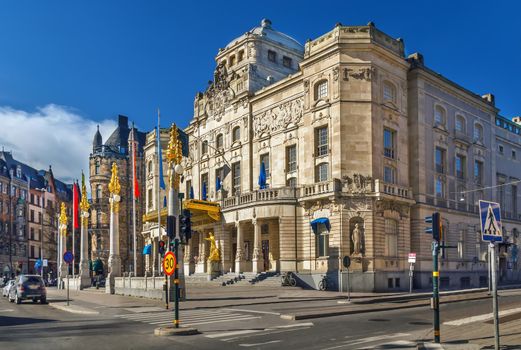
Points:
(68, 288)
(489, 270)
(348, 287)
(494, 293)
(410, 277)
(435, 291)
(176, 282)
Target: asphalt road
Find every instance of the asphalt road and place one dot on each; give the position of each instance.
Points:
(35, 326)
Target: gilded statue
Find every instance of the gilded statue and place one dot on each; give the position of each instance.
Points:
(215, 254)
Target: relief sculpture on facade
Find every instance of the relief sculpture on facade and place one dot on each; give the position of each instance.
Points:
(278, 118)
(358, 183)
(219, 93)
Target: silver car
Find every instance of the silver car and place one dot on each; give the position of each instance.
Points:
(7, 288)
(28, 287)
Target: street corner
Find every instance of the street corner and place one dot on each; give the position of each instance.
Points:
(168, 331)
(75, 309)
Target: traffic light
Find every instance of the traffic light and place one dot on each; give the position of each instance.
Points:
(436, 229)
(185, 225)
(161, 247)
(170, 227)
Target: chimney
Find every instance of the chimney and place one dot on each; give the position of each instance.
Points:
(517, 120)
(415, 58)
(122, 121)
(489, 98)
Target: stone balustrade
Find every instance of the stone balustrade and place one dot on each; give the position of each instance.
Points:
(392, 189)
(270, 194)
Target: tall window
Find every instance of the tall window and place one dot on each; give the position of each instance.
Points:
(461, 245)
(150, 198)
(389, 143)
(99, 192)
(440, 188)
(321, 140)
(439, 115)
(291, 158)
(460, 124)
(322, 171)
(321, 90)
(150, 167)
(391, 237)
(389, 174)
(514, 200)
(265, 158)
(96, 167)
(272, 56)
(478, 172)
(219, 142)
(461, 164)
(478, 132)
(187, 189)
(219, 176)
(389, 92)
(291, 182)
(236, 133)
(286, 61)
(231, 61)
(240, 57)
(322, 240)
(204, 148)
(204, 184)
(440, 160)
(236, 178)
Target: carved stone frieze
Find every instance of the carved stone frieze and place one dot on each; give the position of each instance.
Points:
(358, 183)
(383, 205)
(278, 118)
(219, 93)
(359, 73)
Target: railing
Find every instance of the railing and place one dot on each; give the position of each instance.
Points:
(392, 189)
(320, 188)
(270, 194)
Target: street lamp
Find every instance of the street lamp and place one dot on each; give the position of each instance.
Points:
(42, 190)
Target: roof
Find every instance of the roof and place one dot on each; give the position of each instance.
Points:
(265, 31)
(118, 140)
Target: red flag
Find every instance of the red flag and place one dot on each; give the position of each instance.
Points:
(136, 183)
(75, 204)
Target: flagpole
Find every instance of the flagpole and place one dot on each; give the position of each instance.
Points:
(158, 183)
(74, 218)
(134, 197)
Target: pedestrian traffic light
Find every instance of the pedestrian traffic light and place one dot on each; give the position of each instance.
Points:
(161, 247)
(170, 227)
(435, 229)
(185, 225)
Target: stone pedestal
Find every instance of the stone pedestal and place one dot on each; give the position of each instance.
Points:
(214, 269)
(114, 259)
(239, 255)
(84, 277)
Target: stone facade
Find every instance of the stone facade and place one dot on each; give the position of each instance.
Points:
(115, 149)
(347, 128)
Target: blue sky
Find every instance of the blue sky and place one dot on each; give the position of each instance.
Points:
(103, 58)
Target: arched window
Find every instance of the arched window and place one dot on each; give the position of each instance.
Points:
(99, 191)
(321, 89)
(460, 124)
(478, 132)
(389, 92)
(204, 147)
(231, 60)
(439, 115)
(219, 141)
(236, 133)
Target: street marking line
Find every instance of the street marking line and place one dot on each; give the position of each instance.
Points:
(478, 318)
(256, 311)
(393, 345)
(143, 309)
(207, 321)
(367, 340)
(228, 334)
(190, 319)
(306, 324)
(7, 310)
(164, 314)
(217, 321)
(266, 331)
(265, 343)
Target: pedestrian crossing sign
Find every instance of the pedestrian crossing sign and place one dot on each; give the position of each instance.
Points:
(490, 217)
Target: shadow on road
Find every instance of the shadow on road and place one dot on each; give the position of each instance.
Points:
(16, 321)
(231, 298)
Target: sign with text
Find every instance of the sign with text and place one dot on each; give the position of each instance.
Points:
(169, 263)
(412, 258)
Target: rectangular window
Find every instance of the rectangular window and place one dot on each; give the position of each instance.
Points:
(389, 143)
(321, 140)
(478, 172)
(391, 237)
(292, 182)
(265, 158)
(461, 165)
(322, 240)
(204, 185)
(187, 189)
(322, 171)
(236, 175)
(272, 56)
(39, 218)
(150, 198)
(440, 188)
(32, 252)
(291, 158)
(513, 154)
(514, 200)
(219, 177)
(32, 215)
(501, 149)
(389, 175)
(32, 233)
(440, 160)
(286, 61)
(321, 90)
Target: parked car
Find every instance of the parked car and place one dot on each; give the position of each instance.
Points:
(28, 287)
(7, 287)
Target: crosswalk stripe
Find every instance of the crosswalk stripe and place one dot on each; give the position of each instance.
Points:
(218, 321)
(166, 314)
(204, 318)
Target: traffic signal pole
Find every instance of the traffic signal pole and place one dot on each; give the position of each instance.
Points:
(436, 291)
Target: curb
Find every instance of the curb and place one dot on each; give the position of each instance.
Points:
(296, 317)
(171, 330)
(82, 311)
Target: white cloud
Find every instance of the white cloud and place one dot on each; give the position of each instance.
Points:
(53, 135)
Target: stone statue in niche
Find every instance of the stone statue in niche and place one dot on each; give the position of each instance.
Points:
(357, 240)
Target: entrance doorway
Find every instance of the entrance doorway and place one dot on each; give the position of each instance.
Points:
(234, 254)
(266, 254)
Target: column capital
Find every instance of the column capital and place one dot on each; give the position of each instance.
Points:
(255, 221)
(237, 224)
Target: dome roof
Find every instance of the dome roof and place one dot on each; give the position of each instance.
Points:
(97, 142)
(267, 32)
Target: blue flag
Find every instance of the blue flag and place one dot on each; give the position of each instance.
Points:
(191, 192)
(204, 192)
(262, 176)
(218, 184)
(160, 158)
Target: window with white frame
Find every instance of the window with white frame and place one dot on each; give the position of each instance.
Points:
(291, 182)
(322, 141)
(391, 237)
(478, 132)
(322, 172)
(461, 245)
(478, 172)
(219, 142)
(99, 192)
(236, 178)
(204, 147)
(460, 124)
(265, 158)
(321, 90)
(389, 143)
(389, 92)
(236, 133)
(291, 158)
(389, 174)
(461, 165)
(440, 187)
(439, 115)
(440, 160)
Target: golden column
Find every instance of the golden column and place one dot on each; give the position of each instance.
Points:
(63, 234)
(84, 277)
(114, 259)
